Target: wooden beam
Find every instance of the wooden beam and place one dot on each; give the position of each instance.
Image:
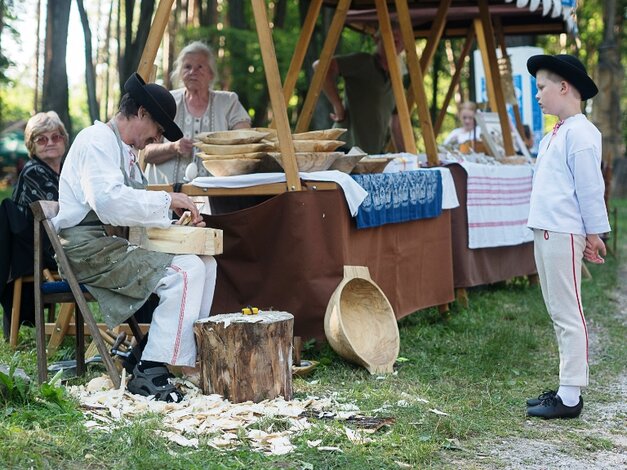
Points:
(437, 28)
(301, 49)
(159, 23)
(417, 82)
(470, 37)
(275, 89)
(387, 36)
(485, 38)
(333, 36)
(500, 35)
(269, 189)
(71, 328)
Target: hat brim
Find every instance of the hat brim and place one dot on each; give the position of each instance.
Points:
(579, 79)
(137, 88)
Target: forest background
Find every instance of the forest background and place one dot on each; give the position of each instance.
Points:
(115, 33)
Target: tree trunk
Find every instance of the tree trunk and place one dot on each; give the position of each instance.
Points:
(208, 13)
(55, 86)
(609, 78)
(134, 46)
(237, 15)
(90, 73)
(246, 357)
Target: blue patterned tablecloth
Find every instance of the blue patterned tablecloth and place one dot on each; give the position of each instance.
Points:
(399, 197)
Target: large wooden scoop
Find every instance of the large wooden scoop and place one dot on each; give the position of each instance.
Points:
(360, 323)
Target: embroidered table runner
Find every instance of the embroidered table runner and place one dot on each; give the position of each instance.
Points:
(399, 197)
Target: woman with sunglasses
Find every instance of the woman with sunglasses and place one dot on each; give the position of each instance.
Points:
(46, 141)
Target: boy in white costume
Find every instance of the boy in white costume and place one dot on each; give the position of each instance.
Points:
(567, 214)
(101, 189)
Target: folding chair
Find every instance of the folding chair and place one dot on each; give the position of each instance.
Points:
(65, 292)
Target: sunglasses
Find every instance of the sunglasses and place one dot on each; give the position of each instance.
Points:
(43, 140)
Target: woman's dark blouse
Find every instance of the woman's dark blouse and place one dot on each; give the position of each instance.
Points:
(36, 182)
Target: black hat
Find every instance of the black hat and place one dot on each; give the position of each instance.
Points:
(568, 67)
(158, 101)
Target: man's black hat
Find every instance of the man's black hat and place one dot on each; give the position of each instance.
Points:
(158, 101)
(569, 68)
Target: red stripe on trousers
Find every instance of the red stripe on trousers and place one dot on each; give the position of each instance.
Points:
(583, 320)
(177, 343)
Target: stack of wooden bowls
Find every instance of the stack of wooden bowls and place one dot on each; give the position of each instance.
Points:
(230, 153)
(314, 150)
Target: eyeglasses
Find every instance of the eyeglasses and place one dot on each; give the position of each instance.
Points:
(43, 139)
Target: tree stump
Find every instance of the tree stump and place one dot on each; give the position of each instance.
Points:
(246, 357)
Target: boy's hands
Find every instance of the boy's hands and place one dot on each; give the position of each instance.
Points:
(594, 245)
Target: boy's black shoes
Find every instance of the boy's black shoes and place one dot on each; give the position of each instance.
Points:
(552, 408)
(543, 396)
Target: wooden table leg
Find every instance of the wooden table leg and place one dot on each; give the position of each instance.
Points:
(461, 296)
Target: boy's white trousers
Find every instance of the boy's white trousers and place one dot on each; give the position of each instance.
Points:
(558, 259)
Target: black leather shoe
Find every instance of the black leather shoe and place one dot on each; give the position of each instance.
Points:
(543, 396)
(552, 408)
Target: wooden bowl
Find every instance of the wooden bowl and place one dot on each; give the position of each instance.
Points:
(253, 155)
(213, 149)
(310, 161)
(346, 163)
(324, 134)
(231, 167)
(316, 145)
(238, 136)
(371, 165)
(360, 324)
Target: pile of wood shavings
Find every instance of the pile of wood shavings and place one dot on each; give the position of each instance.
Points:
(207, 416)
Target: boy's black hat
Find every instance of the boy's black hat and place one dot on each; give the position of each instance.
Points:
(568, 67)
(158, 101)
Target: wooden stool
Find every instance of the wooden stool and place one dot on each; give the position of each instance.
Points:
(246, 357)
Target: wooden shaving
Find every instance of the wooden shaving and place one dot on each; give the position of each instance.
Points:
(219, 422)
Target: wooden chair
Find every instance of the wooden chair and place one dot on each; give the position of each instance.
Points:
(68, 291)
(66, 309)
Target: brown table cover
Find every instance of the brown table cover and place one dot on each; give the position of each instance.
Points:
(288, 253)
(483, 265)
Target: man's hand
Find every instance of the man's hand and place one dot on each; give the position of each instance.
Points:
(181, 203)
(594, 245)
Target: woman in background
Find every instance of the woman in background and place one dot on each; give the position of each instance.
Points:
(199, 109)
(46, 141)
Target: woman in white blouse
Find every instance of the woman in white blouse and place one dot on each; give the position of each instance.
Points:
(469, 132)
(199, 109)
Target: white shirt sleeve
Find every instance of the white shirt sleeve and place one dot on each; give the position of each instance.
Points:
(91, 179)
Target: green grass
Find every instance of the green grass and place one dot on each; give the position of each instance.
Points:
(477, 365)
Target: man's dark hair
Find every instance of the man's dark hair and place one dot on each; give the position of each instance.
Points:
(128, 106)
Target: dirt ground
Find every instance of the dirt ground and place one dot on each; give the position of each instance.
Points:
(598, 440)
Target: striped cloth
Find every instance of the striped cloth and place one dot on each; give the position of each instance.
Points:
(498, 204)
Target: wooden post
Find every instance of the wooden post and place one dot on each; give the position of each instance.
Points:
(320, 74)
(268, 55)
(301, 49)
(155, 35)
(409, 141)
(455, 79)
(246, 357)
(485, 39)
(498, 28)
(417, 83)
